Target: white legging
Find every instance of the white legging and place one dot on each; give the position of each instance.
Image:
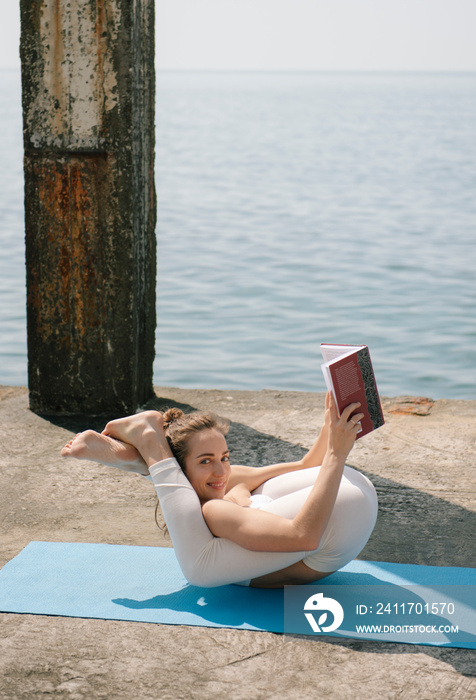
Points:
(210, 561)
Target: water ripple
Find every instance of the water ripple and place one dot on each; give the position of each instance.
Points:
(295, 209)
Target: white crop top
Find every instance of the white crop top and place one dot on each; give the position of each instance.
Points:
(258, 500)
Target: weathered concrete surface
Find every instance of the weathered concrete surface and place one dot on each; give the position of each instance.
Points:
(88, 92)
(423, 468)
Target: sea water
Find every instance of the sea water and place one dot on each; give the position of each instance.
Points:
(294, 209)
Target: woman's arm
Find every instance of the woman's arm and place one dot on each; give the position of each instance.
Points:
(239, 494)
(253, 529)
(255, 476)
(262, 531)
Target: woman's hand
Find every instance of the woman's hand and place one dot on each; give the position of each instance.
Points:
(343, 430)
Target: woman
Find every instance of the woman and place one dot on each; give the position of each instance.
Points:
(306, 526)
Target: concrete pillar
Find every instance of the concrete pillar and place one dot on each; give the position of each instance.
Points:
(88, 86)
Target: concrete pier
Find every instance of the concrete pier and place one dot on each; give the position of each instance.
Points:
(88, 87)
(421, 462)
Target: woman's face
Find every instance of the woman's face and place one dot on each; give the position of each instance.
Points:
(207, 464)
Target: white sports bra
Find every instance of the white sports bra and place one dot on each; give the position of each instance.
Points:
(259, 500)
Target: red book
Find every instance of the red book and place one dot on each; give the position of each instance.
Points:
(348, 373)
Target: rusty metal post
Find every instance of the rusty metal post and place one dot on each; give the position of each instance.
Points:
(88, 85)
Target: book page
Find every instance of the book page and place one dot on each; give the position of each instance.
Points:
(348, 379)
(330, 352)
(328, 380)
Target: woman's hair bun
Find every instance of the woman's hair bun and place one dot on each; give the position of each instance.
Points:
(172, 415)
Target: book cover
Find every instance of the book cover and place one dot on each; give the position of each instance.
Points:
(349, 374)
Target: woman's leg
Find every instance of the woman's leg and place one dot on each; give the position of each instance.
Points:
(289, 483)
(96, 447)
(350, 525)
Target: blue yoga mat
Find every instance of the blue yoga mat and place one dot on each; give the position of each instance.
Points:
(145, 584)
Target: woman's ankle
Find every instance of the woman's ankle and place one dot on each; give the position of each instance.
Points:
(153, 446)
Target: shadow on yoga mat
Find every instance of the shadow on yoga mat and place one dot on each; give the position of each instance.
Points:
(145, 584)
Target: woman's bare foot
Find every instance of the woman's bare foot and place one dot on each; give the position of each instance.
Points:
(131, 429)
(106, 450)
(145, 431)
